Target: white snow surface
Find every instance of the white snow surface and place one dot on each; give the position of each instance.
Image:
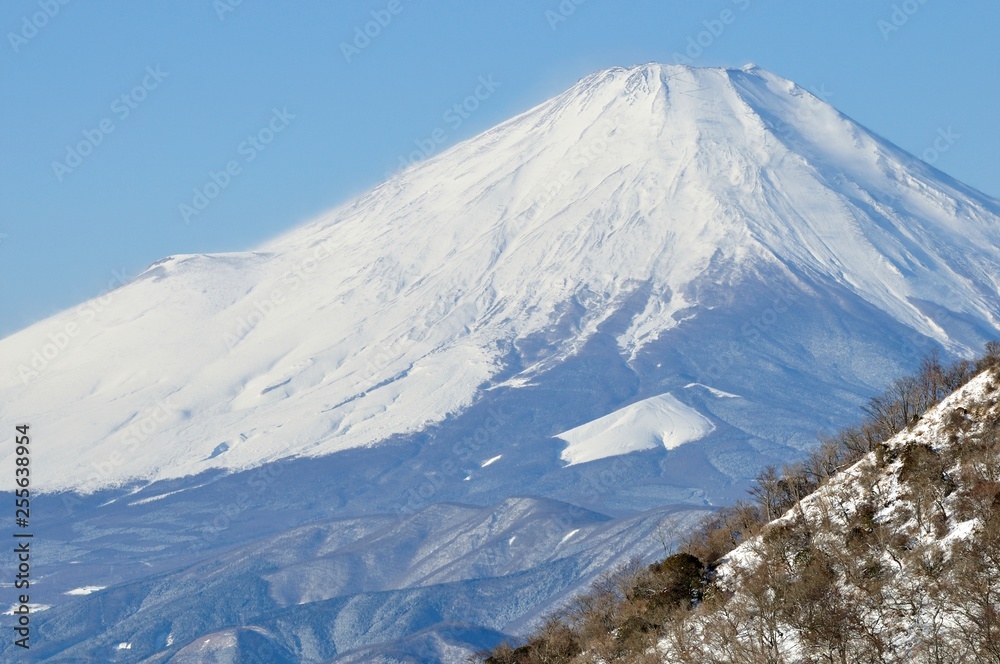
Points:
(714, 392)
(33, 608)
(491, 461)
(569, 536)
(84, 590)
(647, 424)
(394, 310)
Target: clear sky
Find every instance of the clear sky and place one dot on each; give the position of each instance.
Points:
(114, 113)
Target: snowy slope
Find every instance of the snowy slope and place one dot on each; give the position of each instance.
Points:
(658, 421)
(658, 188)
(868, 477)
(913, 503)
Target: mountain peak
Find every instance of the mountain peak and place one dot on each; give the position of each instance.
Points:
(637, 204)
(655, 77)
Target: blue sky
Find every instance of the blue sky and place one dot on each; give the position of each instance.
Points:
(163, 94)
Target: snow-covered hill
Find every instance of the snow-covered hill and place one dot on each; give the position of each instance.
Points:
(895, 559)
(631, 296)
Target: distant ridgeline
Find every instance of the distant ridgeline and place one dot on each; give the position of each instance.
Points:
(883, 546)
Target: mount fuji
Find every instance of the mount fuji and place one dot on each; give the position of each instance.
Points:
(416, 424)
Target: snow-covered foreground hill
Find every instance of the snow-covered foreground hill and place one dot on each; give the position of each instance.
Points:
(896, 559)
(629, 298)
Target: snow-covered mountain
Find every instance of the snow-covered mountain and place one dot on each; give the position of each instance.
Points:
(633, 203)
(631, 296)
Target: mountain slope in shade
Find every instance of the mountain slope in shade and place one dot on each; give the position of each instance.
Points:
(640, 198)
(685, 273)
(328, 588)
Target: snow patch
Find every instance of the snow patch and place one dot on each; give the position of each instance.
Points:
(34, 608)
(568, 536)
(715, 392)
(644, 425)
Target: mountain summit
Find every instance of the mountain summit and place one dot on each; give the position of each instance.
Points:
(498, 373)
